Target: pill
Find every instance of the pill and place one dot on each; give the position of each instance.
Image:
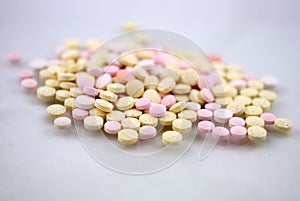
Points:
(85, 102)
(255, 84)
(128, 136)
(111, 69)
(204, 114)
(182, 126)
(221, 90)
(67, 85)
(253, 111)
(128, 60)
(214, 58)
(125, 103)
(14, 58)
(83, 82)
(108, 96)
(269, 81)
(171, 138)
(79, 114)
(140, 73)
(151, 82)
(257, 133)
(70, 103)
(147, 132)
(222, 115)
(236, 121)
(206, 95)
(90, 91)
(188, 114)
(56, 110)
(254, 121)
(264, 104)
(129, 26)
(29, 85)
(115, 116)
(212, 106)
(62, 122)
(249, 76)
(52, 83)
(46, 93)
(244, 99)
(148, 120)
(195, 97)
(181, 89)
(153, 95)
(224, 101)
(133, 113)
(177, 107)
(193, 106)
(167, 119)
(93, 123)
(97, 112)
(168, 100)
(72, 43)
(74, 92)
(25, 74)
(112, 127)
(157, 110)
(116, 88)
(238, 84)
(237, 108)
(134, 88)
(45, 74)
(123, 76)
(190, 77)
(173, 74)
(38, 64)
(267, 94)
(238, 132)
(182, 98)
(220, 132)
(269, 118)
(103, 105)
(250, 92)
(283, 125)
(131, 123)
(62, 95)
(142, 103)
(166, 85)
(206, 126)
(103, 81)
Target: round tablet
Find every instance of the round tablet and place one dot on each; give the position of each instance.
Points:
(111, 69)
(148, 120)
(85, 82)
(257, 133)
(142, 103)
(153, 95)
(85, 102)
(103, 81)
(147, 132)
(134, 88)
(157, 110)
(62, 122)
(269, 118)
(38, 64)
(166, 85)
(133, 113)
(93, 123)
(212, 106)
(62, 95)
(115, 116)
(236, 121)
(220, 132)
(269, 81)
(254, 121)
(29, 85)
(70, 103)
(253, 111)
(171, 138)
(46, 93)
(267, 94)
(116, 88)
(167, 119)
(168, 100)
(283, 125)
(112, 127)
(25, 74)
(177, 107)
(238, 132)
(206, 95)
(109, 96)
(206, 126)
(56, 110)
(131, 123)
(204, 114)
(193, 106)
(236, 107)
(103, 105)
(127, 136)
(262, 103)
(182, 125)
(79, 114)
(222, 115)
(14, 58)
(188, 114)
(76, 92)
(90, 91)
(125, 103)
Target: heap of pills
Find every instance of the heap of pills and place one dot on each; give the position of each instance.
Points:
(133, 95)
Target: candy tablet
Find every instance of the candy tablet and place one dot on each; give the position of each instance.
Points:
(244, 99)
(115, 116)
(238, 132)
(206, 95)
(204, 114)
(14, 58)
(188, 114)
(25, 74)
(236, 107)
(29, 85)
(255, 84)
(253, 111)
(97, 112)
(90, 91)
(269, 81)
(267, 94)
(76, 92)
(112, 127)
(177, 107)
(147, 132)
(222, 115)
(257, 133)
(269, 118)
(220, 132)
(193, 106)
(38, 64)
(70, 103)
(206, 126)
(103, 105)
(123, 76)
(167, 119)
(56, 110)
(254, 121)
(46, 93)
(151, 82)
(111, 69)
(131, 123)
(283, 125)
(236, 121)
(108, 96)
(153, 95)
(62, 122)
(116, 88)
(157, 110)
(142, 103)
(250, 92)
(133, 113)
(147, 119)
(166, 85)
(62, 95)
(125, 103)
(79, 114)
(93, 123)
(262, 103)
(85, 102)
(103, 81)
(181, 89)
(134, 88)
(168, 100)
(182, 125)
(127, 136)
(171, 138)
(212, 106)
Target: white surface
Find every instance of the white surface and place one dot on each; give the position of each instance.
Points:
(38, 162)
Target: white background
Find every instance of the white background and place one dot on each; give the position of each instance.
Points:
(38, 162)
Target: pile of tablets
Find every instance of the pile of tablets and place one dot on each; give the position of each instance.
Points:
(131, 96)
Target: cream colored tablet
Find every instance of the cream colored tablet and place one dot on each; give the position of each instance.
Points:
(70, 103)
(283, 125)
(128, 136)
(171, 138)
(116, 88)
(151, 82)
(108, 96)
(253, 111)
(178, 107)
(250, 92)
(221, 90)
(131, 123)
(93, 123)
(182, 89)
(236, 107)
(182, 125)
(46, 93)
(190, 77)
(195, 96)
(224, 101)
(170, 72)
(153, 95)
(52, 83)
(115, 116)
(66, 77)
(67, 85)
(135, 113)
(62, 95)
(140, 73)
(267, 94)
(262, 103)
(255, 84)
(74, 92)
(166, 85)
(56, 110)
(148, 120)
(244, 99)
(257, 133)
(97, 112)
(128, 60)
(254, 121)
(167, 119)
(104, 105)
(135, 88)
(125, 103)
(188, 114)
